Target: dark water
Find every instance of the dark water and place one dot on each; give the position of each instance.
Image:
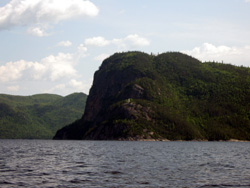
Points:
(41, 163)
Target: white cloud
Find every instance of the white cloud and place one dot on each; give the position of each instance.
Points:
(65, 43)
(59, 66)
(30, 12)
(247, 0)
(77, 84)
(51, 67)
(58, 70)
(101, 57)
(131, 41)
(82, 86)
(97, 41)
(14, 70)
(81, 51)
(210, 52)
(13, 88)
(136, 40)
(82, 48)
(71, 86)
(39, 31)
(56, 88)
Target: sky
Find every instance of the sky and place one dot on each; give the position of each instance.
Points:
(55, 46)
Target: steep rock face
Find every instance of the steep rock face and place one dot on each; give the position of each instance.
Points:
(113, 82)
(108, 82)
(169, 96)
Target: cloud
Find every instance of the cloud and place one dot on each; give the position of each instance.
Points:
(59, 66)
(53, 70)
(82, 86)
(14, 70)
(247, 1)
(97, 41)
(136, 40)
(32, 12)
(37, 31)
(130, 41)
(51, 67)
(82, 48)
(210, 52)
(71, 86)
(58, 87)
(101, 57)
(65, 43)
(77, 84)
(13, 88)
(81, 51)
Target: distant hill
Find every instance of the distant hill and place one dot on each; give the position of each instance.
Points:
(169, 96)
(38, 116)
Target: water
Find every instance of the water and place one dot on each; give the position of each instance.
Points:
(47, 163)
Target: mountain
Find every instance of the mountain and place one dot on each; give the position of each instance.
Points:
(169, 96)
(38, 116)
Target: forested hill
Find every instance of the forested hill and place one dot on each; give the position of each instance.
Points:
(169, 96)
(38, 116)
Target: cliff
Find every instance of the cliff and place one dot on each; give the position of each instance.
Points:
(168, 96)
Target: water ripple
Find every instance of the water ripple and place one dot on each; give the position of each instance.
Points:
(41, 163)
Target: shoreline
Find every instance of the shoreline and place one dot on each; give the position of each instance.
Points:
(138, 139)
(166, 140)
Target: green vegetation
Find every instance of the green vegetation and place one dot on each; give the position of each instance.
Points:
(168, 96)
(38, 116)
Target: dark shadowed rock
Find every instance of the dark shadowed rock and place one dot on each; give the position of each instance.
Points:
(169, 96)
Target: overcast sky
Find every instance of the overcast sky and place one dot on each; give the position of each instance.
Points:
(55, 46)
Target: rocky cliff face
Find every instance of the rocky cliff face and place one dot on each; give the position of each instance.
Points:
(113, 83)
(106, 87)
(169, 96)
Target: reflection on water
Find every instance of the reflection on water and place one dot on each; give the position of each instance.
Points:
(41, 163)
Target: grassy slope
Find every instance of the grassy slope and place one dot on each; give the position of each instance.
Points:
(194, 100)
(38, 116)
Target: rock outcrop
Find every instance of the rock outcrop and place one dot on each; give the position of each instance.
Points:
(137, 96)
